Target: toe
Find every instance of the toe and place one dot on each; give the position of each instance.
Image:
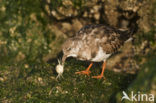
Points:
(98, 77)
(83, 72)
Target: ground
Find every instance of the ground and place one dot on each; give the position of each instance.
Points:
(31, 35)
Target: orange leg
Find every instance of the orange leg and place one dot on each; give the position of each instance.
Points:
(101, 75)
(87, 71)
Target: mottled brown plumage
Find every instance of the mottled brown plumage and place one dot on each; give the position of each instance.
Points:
(95, 43)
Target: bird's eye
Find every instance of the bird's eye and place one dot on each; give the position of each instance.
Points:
(69, 49)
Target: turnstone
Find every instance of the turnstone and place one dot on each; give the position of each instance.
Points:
(95, 43)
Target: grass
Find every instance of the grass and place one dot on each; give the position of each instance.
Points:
(37, 83)
(27, 37)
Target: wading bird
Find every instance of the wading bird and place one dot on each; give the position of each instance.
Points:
(95, 43)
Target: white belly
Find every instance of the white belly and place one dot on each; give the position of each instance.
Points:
(101, 56)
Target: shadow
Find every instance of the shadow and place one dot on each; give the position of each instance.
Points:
(103, 17)
(128, 79)
(128, 16)
(134, 82)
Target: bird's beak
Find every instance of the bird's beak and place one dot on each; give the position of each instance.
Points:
(63, 59)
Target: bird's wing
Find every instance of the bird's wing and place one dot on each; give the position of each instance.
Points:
(109, 38)
(105, 36)
(88, 29)
(111, 41)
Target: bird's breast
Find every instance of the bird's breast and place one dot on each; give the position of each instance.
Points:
(84, 54)
(100, 56)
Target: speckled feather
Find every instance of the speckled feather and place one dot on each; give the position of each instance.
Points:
(95, 42)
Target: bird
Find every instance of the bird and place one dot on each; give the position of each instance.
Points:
(95, 43)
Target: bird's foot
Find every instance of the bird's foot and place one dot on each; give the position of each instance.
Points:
(98, 77)
(86, 72)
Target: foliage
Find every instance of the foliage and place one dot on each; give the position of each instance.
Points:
(23, 36)
(27, 36)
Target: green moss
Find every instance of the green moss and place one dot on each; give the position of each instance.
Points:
(26, 37)
(146, 78)
(38, 83)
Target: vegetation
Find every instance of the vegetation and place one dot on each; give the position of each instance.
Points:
(31, 34)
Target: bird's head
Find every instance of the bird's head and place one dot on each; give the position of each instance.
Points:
(70, 48)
